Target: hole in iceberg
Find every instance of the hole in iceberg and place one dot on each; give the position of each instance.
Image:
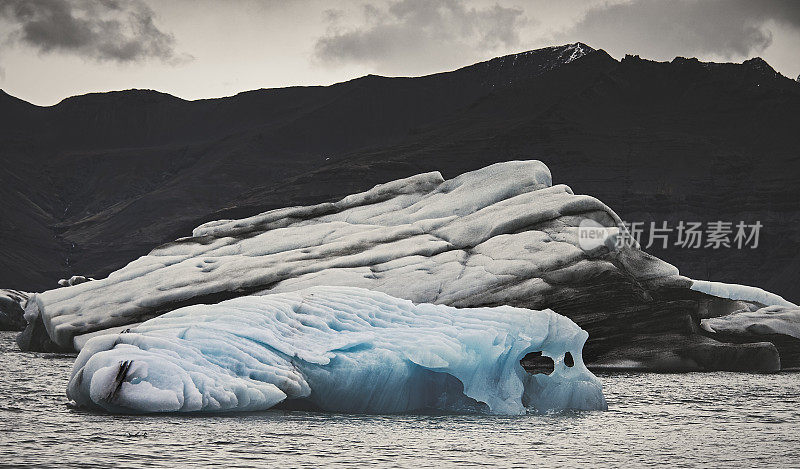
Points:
(536, 363)
(568, 360)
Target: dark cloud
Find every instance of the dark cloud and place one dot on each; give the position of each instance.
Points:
(664, 29)
(414, 35)
(105, 30)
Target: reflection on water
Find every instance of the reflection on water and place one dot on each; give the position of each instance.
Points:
(719, 419)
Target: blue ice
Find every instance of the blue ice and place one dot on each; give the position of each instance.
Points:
(339, 349)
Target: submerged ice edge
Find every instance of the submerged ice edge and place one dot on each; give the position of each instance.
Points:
(337, 349)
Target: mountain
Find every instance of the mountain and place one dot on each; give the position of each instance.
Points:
(98, 180)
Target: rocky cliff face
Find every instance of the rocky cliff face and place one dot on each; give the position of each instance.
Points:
(501, 235)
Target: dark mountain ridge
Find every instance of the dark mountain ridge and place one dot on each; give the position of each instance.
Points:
(99, 179)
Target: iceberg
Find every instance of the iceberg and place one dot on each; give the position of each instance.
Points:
(777, 324)
(341, 349)
(500, 235)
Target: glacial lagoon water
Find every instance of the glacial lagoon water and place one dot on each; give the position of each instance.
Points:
(684, 420)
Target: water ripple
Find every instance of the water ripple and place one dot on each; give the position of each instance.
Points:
(683, 420)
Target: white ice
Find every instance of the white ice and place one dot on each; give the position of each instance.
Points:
(340, 349)
(80, 340)
(740, 292)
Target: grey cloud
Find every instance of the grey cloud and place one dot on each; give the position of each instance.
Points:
(332, 15)
(415, 35)
(105, 30)
(664, 29)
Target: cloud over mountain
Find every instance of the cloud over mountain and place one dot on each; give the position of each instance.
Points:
(103, 30)
(411, 35)
(664, 29)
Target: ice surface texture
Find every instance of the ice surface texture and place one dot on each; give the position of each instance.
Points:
(740, 292)
(340, 349)
(770, 320)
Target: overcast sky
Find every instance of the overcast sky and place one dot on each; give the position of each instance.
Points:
(51, 49)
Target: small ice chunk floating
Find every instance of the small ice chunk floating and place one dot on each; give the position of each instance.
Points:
(340, 349)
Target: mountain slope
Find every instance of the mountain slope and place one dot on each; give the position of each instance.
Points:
(100, 179)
